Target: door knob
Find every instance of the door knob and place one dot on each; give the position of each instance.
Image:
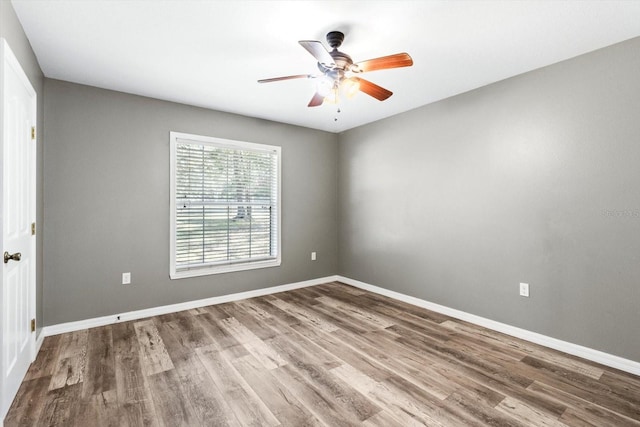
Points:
(15, 257)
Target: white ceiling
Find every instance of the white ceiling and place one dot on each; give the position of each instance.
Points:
(210, 53)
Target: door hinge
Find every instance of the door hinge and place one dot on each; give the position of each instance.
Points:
(33, 228)
(33, 132)
(33, 325)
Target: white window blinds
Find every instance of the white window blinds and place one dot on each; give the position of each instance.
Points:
(225, 210)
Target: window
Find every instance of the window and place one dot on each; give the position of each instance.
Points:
(225, 205)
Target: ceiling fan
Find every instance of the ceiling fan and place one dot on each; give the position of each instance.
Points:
(339, 74)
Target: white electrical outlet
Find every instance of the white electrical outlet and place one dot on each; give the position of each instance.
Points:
(313, 256)
(126, 278)
(524, 289)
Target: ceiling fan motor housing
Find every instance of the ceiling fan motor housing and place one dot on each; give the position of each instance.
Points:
(335, 39)
(341, 60)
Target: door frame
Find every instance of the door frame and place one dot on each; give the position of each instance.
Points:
(9, 59)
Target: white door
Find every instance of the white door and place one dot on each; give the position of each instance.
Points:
(18, 115)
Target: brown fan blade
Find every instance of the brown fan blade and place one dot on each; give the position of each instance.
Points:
(318, 51)
(277, 79)
(372, 89)
(392, 61)
(316, 101)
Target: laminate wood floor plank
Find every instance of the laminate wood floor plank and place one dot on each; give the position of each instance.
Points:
(28, 403)
(46, 360)
(345, 352)
(441, 411)
(310, 292)
(481, 364)
(71, 360)
(221, 338)
(365, 316)
(154, 358)
(510, 345)
(217, 312)
(468, 371)
(440, 375)
(304, 315)
(424, 323)
(342, 320)
(99, 369)
(198, 310)
(622, 382)
(269, 358)
(241, 398)
(381, 419)
(283, 316)
(99, 410)
(406, 410)
(135, 403)
(388, 339)
(411, 367)
(339, 288)
(253, 308)
(192, 334)
(170, 317)
(172, 408)
(208, 403)
(472, 409)
(476, 344)
(585, 387)
(348, 399)
(259, 327)
(274, 322)
(526, 414)
(298, 296)
(400, 307)
(239, 331)
(353, 316)
(60, 405)
(282, 403)
(328, 355)
(580, 411)
(319, 355)
(461, 377)
(324, 409)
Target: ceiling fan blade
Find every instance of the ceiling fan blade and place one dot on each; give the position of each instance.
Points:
(372, 89)
(277, 79)
(318, 51)
(392, 61)
(316, 101)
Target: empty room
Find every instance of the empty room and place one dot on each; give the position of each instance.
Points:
(320, 213)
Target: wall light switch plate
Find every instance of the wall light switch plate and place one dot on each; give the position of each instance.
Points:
(126, 278)
(313, 256)
(524, 289)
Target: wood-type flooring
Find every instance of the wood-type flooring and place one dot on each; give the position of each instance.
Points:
(328, 355)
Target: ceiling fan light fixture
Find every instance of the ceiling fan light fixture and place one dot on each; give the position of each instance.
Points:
(325, 85)
(332, 97)
(349, 88)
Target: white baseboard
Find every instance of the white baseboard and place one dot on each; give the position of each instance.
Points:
(597, 356)
(165, 309)
(39, 341)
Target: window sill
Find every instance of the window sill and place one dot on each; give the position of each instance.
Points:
(227, 268)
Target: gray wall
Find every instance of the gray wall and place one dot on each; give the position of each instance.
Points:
(107, 202)
(11, 30)
(533, 179)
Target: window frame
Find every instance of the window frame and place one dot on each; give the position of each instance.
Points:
(174, 272)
